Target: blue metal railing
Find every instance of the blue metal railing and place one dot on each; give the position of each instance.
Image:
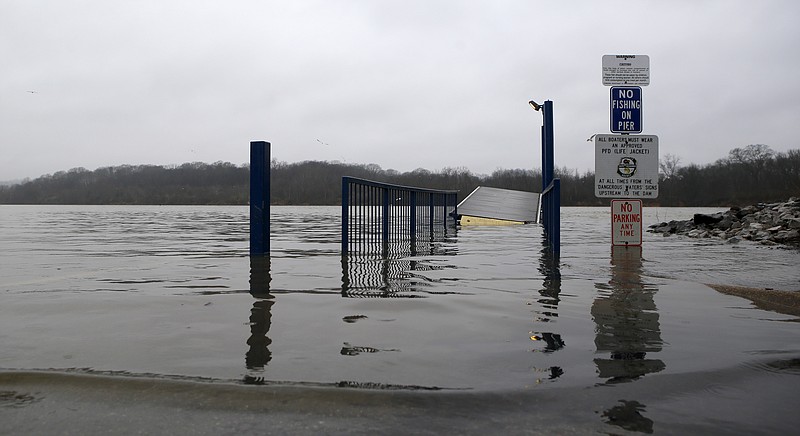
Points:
(382, 218)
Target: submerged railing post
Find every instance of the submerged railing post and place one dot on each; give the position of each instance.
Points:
(432, 214)
(412, 225)
(385, 221)
(345, 213)
(259, 198)
(551, 215)
(454, 214)
(555, 226)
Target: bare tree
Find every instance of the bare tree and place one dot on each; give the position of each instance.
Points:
(752, 154)
(669, 166)
(753, 159)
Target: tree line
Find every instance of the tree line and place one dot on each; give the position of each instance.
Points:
(748, 175)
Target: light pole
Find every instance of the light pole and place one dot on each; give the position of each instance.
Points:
(551, 187)
(547, 140)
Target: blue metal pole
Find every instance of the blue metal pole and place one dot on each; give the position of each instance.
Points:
(345, 213)
(385, 216)
(545, 182)
(413, 224)
(455, 208)
(556, 223)
(547, 156)
(551, 203)
(432, 214)
(259, 198)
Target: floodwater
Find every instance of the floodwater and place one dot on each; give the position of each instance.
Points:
(483, 324)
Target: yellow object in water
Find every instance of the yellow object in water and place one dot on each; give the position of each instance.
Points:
(467, 220)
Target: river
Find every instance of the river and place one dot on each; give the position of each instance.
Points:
(624, 340)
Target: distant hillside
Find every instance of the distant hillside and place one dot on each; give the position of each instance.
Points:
(223, 183)
(748, 175)
(191, 183)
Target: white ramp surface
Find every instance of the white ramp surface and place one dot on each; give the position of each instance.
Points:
(501, 204)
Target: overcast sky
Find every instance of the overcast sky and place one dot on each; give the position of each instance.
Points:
(402, 84)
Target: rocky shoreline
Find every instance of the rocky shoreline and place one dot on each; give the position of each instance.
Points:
(767, 224)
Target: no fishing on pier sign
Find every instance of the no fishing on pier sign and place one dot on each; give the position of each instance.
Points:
(626, 109)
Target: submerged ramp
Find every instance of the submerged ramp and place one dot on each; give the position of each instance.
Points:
(501, 205)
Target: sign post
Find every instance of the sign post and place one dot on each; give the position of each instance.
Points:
(626, 165)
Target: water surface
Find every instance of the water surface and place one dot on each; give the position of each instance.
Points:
(170, 293)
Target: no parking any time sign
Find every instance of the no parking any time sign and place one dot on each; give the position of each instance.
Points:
(626, 222)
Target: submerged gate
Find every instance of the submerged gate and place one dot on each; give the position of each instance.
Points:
(383, 218)
(380, 217)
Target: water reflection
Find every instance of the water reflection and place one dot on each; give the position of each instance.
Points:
(627, 321)
(628, 416)
(376, 276)
(373, 275)
(259, 355)
(352, 350)
(627, 328)
(547, 307)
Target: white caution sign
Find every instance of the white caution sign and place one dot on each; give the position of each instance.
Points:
(626, 222)
(626, 166)
(626, 70)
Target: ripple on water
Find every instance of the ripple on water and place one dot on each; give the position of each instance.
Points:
(485, 309)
